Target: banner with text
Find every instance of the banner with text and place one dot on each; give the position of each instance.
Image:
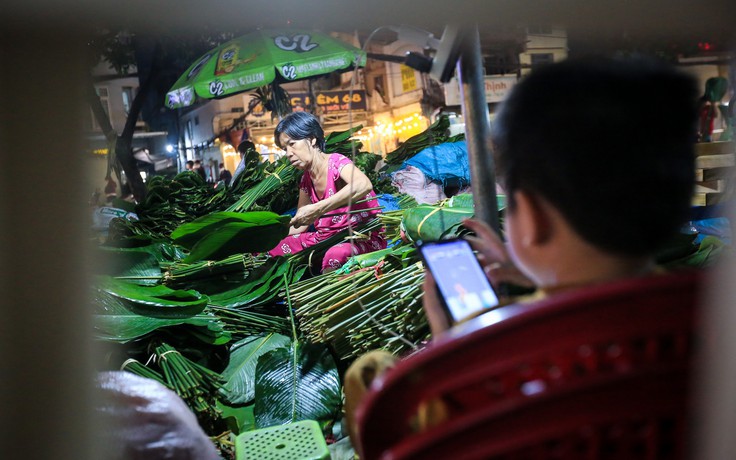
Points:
(331, 101)
(497, 88)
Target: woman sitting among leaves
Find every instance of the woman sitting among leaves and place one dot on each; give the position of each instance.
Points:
(332, 193)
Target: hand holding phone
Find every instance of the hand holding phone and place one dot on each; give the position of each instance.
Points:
(464, 290)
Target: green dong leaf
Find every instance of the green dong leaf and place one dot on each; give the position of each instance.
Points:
(236, 238)
(190, 233)
(240, 373)
(155, 301)
(114, 322)
(296, 383)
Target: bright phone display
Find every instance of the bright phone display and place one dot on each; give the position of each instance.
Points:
(462, 284)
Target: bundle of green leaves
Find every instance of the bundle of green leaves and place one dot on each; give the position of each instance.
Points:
(434, 135)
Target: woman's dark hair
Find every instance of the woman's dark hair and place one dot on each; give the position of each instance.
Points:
(609, 143)
(300, 125)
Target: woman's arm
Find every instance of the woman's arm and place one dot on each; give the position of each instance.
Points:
(295, 227)
(357, 186)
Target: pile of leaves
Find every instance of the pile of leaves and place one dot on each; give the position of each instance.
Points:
(173, 202)
(229, 348)
(434, 135)
(367, 162)
(188, 298)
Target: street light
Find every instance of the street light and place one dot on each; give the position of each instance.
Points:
(169, 148)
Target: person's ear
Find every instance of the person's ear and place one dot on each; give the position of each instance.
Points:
(533, 219)
(313, 142)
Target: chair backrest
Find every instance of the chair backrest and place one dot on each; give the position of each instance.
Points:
(601, 372)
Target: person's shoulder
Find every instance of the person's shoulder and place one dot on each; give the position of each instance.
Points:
(338, 157)
(339, 160)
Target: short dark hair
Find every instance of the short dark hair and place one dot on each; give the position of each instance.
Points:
(245, 146)
(609, 143)
(300, 125)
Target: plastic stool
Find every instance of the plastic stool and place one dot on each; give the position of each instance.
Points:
(297, 441)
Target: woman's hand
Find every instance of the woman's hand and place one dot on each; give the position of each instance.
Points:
(493, 255)
(306, 215)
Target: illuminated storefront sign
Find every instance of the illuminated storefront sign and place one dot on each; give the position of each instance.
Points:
(331, 101)
(497, 88)
(408, 79)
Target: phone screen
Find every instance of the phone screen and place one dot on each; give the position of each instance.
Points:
(460, 278)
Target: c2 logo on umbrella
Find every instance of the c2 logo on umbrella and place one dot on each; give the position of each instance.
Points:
(216, 88)
(289, 72)
(257, 58)
(299, 43)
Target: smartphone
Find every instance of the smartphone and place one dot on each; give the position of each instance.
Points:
(463, 287)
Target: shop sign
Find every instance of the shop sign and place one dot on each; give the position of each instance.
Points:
(497, 88)
(408, 79)
(331, 101)
(99, 151)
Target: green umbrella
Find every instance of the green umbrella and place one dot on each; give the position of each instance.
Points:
(259, 58)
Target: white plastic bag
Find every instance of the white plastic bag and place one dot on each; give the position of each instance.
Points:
(140, 419)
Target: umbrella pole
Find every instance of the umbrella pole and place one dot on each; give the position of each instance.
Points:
(310, 94)
(477, 128)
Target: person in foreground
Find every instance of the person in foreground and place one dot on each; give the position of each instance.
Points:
(595, 185)
(333, 193)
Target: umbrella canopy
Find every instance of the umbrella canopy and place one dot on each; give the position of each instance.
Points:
(259, 58)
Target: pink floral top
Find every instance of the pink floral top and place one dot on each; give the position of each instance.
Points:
(334, 223)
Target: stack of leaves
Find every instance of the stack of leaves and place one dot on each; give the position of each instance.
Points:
(433, 222)
(282, 380)
(280, 179)
(117, 319)
(381, 181)
(171, 202)
(156, 301)
(260, 289)
(439, 221)
(240, 323)
(141, 265)
(434, 135)
(236, 267)
(193, 382)
(197, 385)
(168, 203)
(391, 220)
(222, 234)
(342, 142)
(248, 173)
(366, 309)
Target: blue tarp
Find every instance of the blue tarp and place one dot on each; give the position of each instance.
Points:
(389, 202)
(444, 163)
(719, 227)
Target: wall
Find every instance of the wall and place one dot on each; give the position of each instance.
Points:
(553, 42)
(406, 89)
(115, 87)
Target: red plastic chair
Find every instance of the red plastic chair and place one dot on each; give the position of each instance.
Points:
(598, 373)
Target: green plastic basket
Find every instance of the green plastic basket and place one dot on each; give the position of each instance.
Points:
(296, 441)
